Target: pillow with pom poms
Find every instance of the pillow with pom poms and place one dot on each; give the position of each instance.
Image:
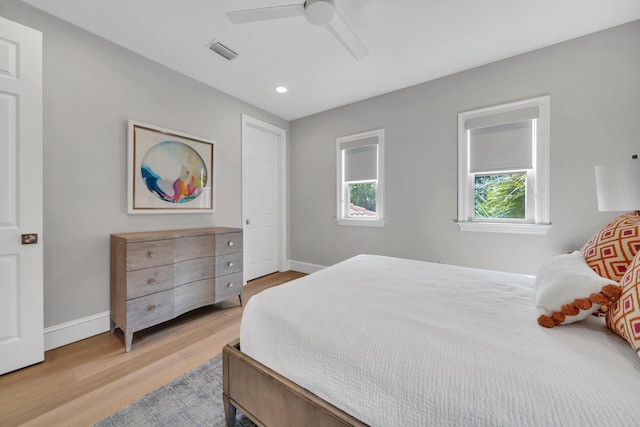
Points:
(568, 290)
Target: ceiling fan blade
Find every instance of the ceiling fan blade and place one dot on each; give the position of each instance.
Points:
(343, 33)
(265, 13)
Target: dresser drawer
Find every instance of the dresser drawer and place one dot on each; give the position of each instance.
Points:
(150, 254)
(228, 243)
(150, 310)
(149, 281)
(229, 263)
(193, 295)
(228, 286)
(194, 270)
(195, 247)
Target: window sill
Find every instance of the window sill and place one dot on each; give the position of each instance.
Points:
(361, 222)
(498, 227)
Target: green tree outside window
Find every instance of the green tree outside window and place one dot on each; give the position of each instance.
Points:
(363, 195)
(500, 196)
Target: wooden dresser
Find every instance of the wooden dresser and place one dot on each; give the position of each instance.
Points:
(159, 275)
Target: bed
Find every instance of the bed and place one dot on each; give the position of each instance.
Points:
(384, 341)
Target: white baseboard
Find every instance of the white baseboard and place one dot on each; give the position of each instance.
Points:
(304, 267)
(76, 330)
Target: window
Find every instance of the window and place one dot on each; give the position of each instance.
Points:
(360, 160)
(503, 168)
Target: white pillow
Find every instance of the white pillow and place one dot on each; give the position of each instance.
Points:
(567, 280)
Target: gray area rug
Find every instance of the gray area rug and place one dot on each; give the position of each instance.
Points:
(193, 399)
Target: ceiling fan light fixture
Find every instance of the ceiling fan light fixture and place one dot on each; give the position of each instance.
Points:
(319, 12)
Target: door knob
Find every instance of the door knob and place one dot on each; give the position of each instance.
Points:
(248, 221)
(29, 239)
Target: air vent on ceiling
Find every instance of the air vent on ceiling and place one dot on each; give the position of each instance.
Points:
(222, 50)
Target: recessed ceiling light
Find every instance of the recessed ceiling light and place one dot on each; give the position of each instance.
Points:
(281, 89)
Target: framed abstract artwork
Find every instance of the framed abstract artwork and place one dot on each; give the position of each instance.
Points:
(169, 171)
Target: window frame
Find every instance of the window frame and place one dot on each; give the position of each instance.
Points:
(537, 181)
(342, 201)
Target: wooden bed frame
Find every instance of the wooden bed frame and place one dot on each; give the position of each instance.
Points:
(270, 399)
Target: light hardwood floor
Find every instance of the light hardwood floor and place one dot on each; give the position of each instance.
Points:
(83, 382)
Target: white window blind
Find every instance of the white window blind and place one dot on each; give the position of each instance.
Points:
(361, 163)
(501, 147)
(502, 140)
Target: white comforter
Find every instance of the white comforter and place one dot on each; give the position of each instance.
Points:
(406, 343)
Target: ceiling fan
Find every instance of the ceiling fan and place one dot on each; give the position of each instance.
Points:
(318, 12)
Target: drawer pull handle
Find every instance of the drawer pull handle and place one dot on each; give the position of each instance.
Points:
(151, 280)
(230, 264)
(230, 285)
(230, 243)
(151, 308)
(151, 254)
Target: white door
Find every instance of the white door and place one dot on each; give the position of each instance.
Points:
(21, 277)
(263, 148)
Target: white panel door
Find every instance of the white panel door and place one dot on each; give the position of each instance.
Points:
(262, 148)
(21, 277)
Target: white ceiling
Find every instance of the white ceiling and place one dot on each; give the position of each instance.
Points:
(410, 42)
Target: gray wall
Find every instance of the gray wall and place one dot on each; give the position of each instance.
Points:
(91, 88)
(594, 84)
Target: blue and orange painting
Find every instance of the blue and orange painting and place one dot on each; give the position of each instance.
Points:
(174, 172)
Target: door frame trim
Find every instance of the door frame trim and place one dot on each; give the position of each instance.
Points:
(281, 134)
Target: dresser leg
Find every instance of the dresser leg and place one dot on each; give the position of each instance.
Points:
(113, 326)
(240, 298)
(128, 338)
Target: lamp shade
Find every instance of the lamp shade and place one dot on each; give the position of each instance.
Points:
(618, 186)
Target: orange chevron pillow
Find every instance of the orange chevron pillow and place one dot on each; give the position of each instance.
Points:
(612, 249)
(623, 316)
